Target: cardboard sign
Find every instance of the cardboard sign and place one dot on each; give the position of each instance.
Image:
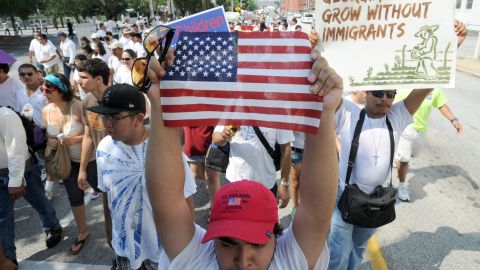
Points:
(389, 44)
(212, 20)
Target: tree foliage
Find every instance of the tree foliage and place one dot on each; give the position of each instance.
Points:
(20, 8)
(245, 4)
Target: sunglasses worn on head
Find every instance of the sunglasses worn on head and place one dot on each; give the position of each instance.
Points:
(381, 93)
(157, 40)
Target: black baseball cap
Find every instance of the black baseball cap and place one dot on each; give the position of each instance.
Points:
(119, 98)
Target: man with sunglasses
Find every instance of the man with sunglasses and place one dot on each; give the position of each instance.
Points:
(31, 93)
(372, 164)
(9, 87)
(121, 174)
(372, 167)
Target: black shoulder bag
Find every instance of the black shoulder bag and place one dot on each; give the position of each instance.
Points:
(276, 154)
(359, 208)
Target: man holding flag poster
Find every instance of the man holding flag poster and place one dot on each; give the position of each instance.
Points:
(244, 223)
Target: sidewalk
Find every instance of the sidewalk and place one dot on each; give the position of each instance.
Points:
(470, 66)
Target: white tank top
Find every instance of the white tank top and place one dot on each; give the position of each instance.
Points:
(71, 128)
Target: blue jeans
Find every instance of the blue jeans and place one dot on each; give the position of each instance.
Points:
(346, 242)
(35, 195)
(7, 220)
(67, 71)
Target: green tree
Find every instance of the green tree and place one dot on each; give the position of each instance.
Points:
(245, 4)
(192, 6)
(20, 8)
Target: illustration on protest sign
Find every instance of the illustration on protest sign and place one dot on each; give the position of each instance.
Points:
(389, 44)
(212, 20)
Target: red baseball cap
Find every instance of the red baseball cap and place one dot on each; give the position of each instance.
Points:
(245, 210)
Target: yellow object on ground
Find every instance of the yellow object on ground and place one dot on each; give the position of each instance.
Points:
(375, 254)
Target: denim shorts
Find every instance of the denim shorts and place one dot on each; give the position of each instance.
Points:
(196, 159)
(297, 157)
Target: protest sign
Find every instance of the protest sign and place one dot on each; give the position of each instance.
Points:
(212, 20)
(389, 44)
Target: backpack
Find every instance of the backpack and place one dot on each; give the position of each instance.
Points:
(36, 137)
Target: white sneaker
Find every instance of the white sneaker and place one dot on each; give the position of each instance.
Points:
(95, 195)
(49, 194)
(43, 176)
(403, 193)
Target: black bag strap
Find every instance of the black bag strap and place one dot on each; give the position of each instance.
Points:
(392, 147)
(355, 143)
(267, 146)
(354, 147)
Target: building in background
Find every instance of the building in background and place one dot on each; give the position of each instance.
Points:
(468, 11)
(297, 5)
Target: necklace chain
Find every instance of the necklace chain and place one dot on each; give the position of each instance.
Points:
(376, 156)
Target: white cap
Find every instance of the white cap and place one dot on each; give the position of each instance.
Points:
(116, 45)
(95, 35)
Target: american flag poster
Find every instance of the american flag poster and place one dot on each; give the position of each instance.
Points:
(249, 79)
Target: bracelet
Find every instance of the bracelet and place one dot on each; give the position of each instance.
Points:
(453, 120)
(283, 183)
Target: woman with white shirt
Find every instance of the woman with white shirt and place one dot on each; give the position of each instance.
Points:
(100, 52)
(124, 72)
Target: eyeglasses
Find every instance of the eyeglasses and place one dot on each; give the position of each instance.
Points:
(48, 90)
(381, 93)
(26, 74)
(158, 39)
(114, 117)
(126, 59)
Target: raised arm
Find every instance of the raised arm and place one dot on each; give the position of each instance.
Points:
(165, 176)
(415, 98)
(319, 168)
(447, 113)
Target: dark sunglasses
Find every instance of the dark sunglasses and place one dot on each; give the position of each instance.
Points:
(115, 117)
(381, 93)
(48, 90)
(157, 40)
(26, 74)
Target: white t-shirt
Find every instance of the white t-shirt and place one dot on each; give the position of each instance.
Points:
(8, 92)
(248, 157)
(121, 173)
(374, 136)
(47, 51)
(37, 100)
(114, 63)
(76, 78)
(68, 50)
(299, 140)
(139, 50)
(111, 26)
(349, 98)
(123, 75)
(104, 57)
(101, 33)
(288, 255)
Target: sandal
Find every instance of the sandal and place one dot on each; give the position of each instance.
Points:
(77, 243)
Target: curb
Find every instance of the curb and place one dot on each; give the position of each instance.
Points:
(469, 66)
